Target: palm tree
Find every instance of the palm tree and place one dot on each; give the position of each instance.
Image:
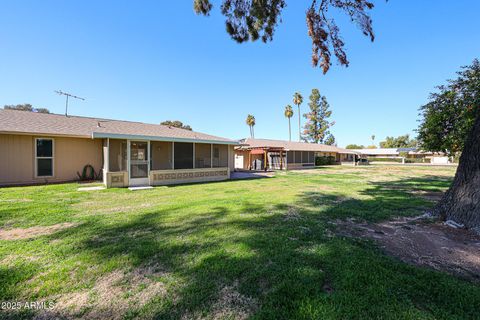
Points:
(297, 100)
(251, 122)
(289, 114)
(373, 139)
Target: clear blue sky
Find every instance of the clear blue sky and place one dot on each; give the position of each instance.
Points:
(151, 61)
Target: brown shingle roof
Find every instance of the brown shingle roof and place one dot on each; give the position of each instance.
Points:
(291, 145)
(13, 121)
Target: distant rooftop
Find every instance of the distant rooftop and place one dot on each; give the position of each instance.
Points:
(290, 145)
(384, 151)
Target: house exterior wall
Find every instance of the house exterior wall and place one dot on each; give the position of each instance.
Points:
(70, 155)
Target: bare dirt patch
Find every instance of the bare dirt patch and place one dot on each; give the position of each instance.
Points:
(423, 242)
(112, 296)
(27, 233)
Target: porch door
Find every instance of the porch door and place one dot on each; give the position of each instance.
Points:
(139, 163)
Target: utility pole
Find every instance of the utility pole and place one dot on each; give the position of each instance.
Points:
(66, 102)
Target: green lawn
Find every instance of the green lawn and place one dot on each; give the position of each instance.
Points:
(261, 249)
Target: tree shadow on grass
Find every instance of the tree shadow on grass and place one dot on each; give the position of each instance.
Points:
(270, 262)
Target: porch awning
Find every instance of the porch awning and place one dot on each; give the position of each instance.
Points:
(257, 151)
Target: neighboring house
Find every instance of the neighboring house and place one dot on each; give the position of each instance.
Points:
(410, 154)
(261, 154)
(44, 148)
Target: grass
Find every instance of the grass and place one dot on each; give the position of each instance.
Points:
(261, 249)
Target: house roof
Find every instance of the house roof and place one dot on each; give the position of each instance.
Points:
(378, 152)
(250, 143)
(24, 122)
(387, 151)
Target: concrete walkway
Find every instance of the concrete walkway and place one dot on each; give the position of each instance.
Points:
(240, 175)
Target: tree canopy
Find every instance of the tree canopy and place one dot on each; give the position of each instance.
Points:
(355, 146)
(399, 142)
(252, 20)
(449, 115)
(176, 124)
(26, 107)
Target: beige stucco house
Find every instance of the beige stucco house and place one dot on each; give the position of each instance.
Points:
(44, 148)
(261, 154)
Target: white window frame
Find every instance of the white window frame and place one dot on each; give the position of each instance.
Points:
(52, 157)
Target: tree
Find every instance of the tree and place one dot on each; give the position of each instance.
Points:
(176, 124)
(355, 146)
(398, 142)
(289, 114)
(26, 107)
(451, 122)
(317, 125)
(253, 20)
(251, 123)
(330, 140)
(298, 100)
(373, 139)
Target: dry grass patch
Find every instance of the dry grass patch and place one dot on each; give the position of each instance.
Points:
(28, 233)
(112, 296)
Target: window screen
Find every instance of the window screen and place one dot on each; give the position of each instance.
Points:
(183, 154)
(203, 154)
(304, 156)
(290, 157)
(220, 155)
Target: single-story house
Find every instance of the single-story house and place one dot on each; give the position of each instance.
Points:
(263, 154)
(409, 154)
(43, 148)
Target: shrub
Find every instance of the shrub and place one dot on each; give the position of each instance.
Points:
(372, 159)
(325, 161)
(88, 173)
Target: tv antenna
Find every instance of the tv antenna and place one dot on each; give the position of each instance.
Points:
(60, 92)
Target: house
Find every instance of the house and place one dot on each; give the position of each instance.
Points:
(398, 154)
(262, 154)
(44, 148)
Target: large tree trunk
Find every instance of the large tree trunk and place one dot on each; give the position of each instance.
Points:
(461, 203)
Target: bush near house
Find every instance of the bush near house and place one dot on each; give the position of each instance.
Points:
(373, 159)
(324, 161)
(417, 160)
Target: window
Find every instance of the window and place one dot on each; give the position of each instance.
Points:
(44, 157)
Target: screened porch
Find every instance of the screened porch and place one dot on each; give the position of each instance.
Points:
(131, 163)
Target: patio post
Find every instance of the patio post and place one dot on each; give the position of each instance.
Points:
(193, 155)
(265, 160)
(281, 159)
(173, 155)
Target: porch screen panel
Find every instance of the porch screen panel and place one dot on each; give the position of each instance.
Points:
(304, 156)
(161, 153)
(203, 155)
(290, 157)
(298, 157)
(117, 158)
(220, 155)
(183, 154)
(311, 157)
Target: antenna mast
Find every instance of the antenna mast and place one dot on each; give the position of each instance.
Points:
(60, 92)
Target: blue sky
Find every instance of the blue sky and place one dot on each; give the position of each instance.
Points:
(156, 60)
